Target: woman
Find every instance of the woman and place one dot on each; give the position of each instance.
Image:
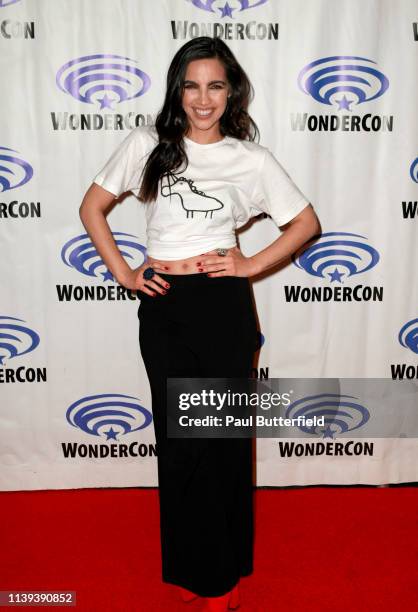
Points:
(201, 175)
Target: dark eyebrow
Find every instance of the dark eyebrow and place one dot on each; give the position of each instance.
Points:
(211, 82)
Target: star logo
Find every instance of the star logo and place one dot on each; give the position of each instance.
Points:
(344, 104)
(107, 276)
(105, 102)
(336, 276)
(328, 433)
(111, 434)
(226, 10)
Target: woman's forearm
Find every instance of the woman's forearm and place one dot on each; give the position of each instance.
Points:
(300, 230)
(100, 233)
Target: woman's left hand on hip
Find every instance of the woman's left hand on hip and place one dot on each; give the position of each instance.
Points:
(234, 263)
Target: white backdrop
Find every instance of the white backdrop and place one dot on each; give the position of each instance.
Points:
(335, 100)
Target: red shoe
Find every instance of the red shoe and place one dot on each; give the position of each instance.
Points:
(234, 603)
(217, 604)
(230, 601)
(187, 596)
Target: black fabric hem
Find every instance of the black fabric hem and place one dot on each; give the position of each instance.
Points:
(205, 592)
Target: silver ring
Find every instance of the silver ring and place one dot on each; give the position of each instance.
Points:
(221, 252)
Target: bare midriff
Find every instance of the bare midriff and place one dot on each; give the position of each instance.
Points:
(178, 266)
(181, 266)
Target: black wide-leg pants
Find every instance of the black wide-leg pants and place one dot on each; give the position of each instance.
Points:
(203, 327)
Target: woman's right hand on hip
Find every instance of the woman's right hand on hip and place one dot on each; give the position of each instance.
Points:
(134, 280)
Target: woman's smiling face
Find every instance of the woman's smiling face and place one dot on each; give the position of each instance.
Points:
(205, 93)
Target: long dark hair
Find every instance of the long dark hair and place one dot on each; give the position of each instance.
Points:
(172, 123)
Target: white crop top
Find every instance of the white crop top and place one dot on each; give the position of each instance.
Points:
(225, 184)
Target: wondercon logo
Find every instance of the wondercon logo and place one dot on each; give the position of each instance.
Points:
(81, 254)
(226, 8)
(16, 339)
(103, 79)
(408, 335)
(340, 412)
(4, 3)
(337, 256)
(413, 170)
(14, 172)
(108, 414)
(342, 80)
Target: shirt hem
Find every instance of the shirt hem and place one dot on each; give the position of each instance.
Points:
(102, 183)
(176, 254)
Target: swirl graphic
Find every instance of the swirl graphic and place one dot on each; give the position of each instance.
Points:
(14, 172)
(408, 336)
(225, 9)
(81, 254)
(4, 3)
(347, 257)
(340, 412)
(88, 77)
(342, 80)
(15, 339)
(121, 414)
(413, 170)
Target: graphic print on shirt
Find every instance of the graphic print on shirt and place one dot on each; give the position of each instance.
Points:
(192, 199)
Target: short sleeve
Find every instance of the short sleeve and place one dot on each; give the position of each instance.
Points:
(122, 172)
(275, 193)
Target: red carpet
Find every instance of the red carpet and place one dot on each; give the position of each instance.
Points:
(317, 549)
